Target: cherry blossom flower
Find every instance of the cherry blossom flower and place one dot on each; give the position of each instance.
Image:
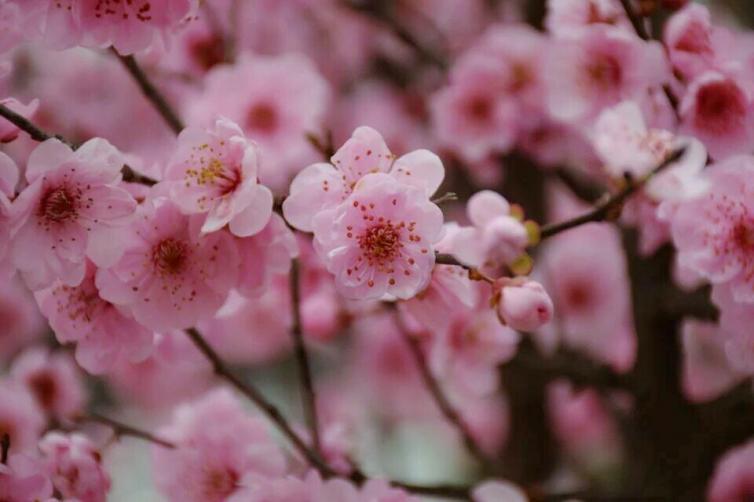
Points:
(52, 379)
(570, 17)
(209, 463)
(524, 305)
(599, 68)
(322, 186)
(20, 416)
(734, 475)
(688, 35)
(169, 277)
(380, 239)
(67, 212)
(273, 109)
(712, 231)
(103, 332)
(214, 172)
(76, 466)
(24, 477)
(719, 111)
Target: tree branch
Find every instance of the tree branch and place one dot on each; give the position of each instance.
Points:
(302, 358)
(121, 429)
(4, 448)
(151, 92)
(611, 206)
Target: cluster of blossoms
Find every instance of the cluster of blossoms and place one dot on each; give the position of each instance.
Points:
(249, 238)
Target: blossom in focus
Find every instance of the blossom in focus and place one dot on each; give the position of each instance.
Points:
(75, 466)
(67, 212)
(322, 186)
(214, 172)
(524, 305)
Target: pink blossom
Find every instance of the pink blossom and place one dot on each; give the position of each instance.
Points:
(22, 324)
(67, 212)
(8, 130)
(128, 26)
(323, 186)
(712, 232)
(11, 26)
(498, 491)
(214, 172)
(76, 466)
(524, 305)
(734, 475)
(273, 109)
(24, 478)
(53, 380)
(570, 17)
(719, 111)
(103, 332)
(209, 462)
(380, 239)
(707, 372)
(169, 277)
(599, 68)
(20, 416)
(688, 35)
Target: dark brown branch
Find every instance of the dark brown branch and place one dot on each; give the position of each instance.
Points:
(27, 126)
(439, 397)
(121, 429)
(309, 398)
(610, 207)
(151, 92)
(474, 274)
(4, 448)
(250, 392)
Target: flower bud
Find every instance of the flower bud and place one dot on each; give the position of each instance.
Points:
(525, 305)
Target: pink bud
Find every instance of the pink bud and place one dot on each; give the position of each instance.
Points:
(524, 306)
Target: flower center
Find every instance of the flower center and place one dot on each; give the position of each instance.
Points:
(58, 205)
(208, 51)
(381, 242)
(743, 236)
(220, 483)
(44, 388)
(170, 256)
(605, 72)
(262, 117)
(479, 109)
(720, 107)
(214, 172)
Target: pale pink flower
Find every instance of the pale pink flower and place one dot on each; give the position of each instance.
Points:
(714, 232)
(570, 17)
(23, 478)
(53, 379)
(707, 372)
(22, 324)
(20, 416)
(599, 68)
(169, 276)
(734, 475)
(719, 111)
(103, 332)
(323, 186)
(281, 100)
(214, 172)
(128, 26)
(688, 35)
(75, 466)
(8, 130)
(524, 305)
(173, 372)
(209, 462)
(497, 236)
(67, 212)
(498, 491)
(380, 239)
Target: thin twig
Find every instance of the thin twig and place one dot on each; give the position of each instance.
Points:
(27, 126)
(248, 390)
(474, 273)
(309, 398)
(610, 207)
(4, 448)
(441, 400)
(151, 92)
(121, 429)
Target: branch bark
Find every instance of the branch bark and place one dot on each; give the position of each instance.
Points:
(121, 429)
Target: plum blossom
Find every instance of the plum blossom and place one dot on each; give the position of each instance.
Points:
(214, 172)
(272, 108)
(52, 379)
(103, 332)
(210, 462)
(523, 304)
(129, 26)
(76, 466)
(719, 111)
(68, 211)
(713, 231)
(379, 241)
(322, 186)
(20, 416)
(169, 276)
(23, 478)
(733, 478)
(688, 35)
(599, 68)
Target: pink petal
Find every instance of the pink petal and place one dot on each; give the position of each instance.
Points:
(256, 215)
(420, 168)
(46, 157)
(317, 187)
